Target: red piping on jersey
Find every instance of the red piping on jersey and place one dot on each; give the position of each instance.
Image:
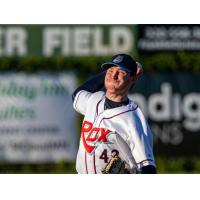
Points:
(117, 114)
(86, 162)
(95, 171)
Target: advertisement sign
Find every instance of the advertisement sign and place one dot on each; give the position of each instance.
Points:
(171, 104)
(152, 38)
(66, 40)
(37, 118)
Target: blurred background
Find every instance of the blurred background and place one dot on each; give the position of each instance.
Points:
(41, 65)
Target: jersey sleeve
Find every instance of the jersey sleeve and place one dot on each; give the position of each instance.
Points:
(81, 101)
(140, 140)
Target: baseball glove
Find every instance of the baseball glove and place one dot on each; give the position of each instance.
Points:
(115, 166)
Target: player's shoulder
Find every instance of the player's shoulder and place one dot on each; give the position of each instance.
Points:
(132, 106)
(97, 95)
(136, 113)
(90, 95)
(128, 111)
(134, 109)
(86, 96)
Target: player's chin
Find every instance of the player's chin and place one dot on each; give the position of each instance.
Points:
(113, 89)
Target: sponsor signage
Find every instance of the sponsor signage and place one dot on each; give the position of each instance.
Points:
(37, 118)
(152, 38)
(66, 40)
(171, 103)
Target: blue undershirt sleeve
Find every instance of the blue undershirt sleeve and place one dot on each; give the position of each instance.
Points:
(92, 85)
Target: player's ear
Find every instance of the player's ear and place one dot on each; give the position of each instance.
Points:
(139, 69)
(138, 72)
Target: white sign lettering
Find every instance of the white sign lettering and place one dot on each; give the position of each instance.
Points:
(166, 106)
(86, 41)
(13, 41)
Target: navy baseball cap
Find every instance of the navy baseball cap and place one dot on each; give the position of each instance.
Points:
(124, 61)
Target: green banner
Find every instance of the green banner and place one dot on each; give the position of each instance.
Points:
(66, 40)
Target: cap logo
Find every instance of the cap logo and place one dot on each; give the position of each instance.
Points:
(118, 59)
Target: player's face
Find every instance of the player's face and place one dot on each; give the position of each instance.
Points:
(117, 80)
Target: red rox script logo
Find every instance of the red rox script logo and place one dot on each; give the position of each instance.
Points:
(93, 136)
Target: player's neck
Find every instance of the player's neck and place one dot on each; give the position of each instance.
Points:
(116, 97)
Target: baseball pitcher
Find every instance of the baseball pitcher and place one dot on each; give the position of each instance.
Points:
(115, 137)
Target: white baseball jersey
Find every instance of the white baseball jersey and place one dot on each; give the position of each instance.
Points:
(122, 130)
